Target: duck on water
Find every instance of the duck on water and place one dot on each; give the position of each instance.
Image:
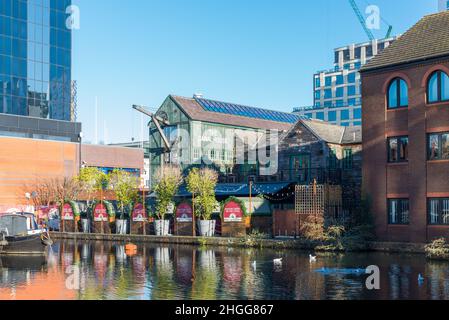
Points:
(20, 234)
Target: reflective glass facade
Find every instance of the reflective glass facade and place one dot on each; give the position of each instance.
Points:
(35, 59)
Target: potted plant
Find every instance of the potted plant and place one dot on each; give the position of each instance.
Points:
(201, 183)
(168, 181)
(126, 189)
(90, 181)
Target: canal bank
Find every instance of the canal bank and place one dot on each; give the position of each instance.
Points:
(248, 242)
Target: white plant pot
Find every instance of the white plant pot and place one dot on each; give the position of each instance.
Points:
(162, 227)
(121, 226)
(206, 228)
(86, 225)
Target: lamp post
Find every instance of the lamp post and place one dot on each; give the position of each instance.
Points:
(80, 140)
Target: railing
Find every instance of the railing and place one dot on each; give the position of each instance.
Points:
(300, 176)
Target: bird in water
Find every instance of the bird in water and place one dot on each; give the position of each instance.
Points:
(277, 261)
(312, 258)
(420, 278)
(254, 264)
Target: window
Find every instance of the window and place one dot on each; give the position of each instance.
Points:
(332, 116)
(344, 115)
(328, 81)
(317, 82)
(358, 114)
(339, 92)
(398, 149)
(320, 115)
(351, 91)
(309, 115)
(196, 154)
(339, 103)
(438, 87)
(438, 146)
(328, 94)
(398, 211)
(438, 211)
(351, 77)
(317, 94)
(397, 94)
(352, 102)
(347, 159)
(340, 80)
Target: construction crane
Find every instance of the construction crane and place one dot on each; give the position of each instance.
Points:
(362, 21)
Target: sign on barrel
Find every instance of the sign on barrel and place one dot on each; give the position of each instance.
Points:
(100, 213)
(232, 212)
(139, 213)
(184, 212)
(67, 212)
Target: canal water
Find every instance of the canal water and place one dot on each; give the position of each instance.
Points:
(102, 270)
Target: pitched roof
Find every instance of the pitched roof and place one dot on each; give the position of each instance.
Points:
(333, 133)
(427, 39)
(250, 117)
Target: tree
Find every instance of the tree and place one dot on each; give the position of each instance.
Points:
(54, 191)
(202, 183)
(92, 180)
(168, 181)
(126, 188)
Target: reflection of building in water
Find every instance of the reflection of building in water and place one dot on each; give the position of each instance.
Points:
(232, 273)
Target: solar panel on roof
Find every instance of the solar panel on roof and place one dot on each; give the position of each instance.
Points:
(245, 111)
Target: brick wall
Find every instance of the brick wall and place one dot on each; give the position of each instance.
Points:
(418, 179)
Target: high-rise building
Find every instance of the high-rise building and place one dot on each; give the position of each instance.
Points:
(35, 69)
(337, 93)
(443, 5)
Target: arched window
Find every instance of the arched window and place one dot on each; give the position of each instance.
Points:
(438, 87)
(398, 94)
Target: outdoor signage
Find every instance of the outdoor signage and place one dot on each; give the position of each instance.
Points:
(232, 212)
(67, 212)
(139, 213)
(100, 213)
(184, 212)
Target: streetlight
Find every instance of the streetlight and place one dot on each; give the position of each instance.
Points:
(80, 140)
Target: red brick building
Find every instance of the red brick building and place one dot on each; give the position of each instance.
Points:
(406, 134)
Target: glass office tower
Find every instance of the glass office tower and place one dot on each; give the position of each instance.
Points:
(35, 59)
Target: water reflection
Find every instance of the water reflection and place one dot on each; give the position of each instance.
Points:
(96, 270)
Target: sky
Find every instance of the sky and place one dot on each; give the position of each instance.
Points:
(254, 52)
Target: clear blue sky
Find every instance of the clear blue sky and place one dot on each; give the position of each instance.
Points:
(261, 53)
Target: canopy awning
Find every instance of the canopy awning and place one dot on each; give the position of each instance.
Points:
(239, 189)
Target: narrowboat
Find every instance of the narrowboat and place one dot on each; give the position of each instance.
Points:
(21, 235)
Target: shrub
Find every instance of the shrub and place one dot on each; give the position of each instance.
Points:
(438, 249)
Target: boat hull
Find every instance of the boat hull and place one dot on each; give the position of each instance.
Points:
(28, 245)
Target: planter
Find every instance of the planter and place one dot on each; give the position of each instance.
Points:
(162, 227)
(121, 226)
(206, 228)
(85, 223)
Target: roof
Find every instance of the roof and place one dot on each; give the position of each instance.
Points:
(234, 114)
(427, 39)
(332, 133)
